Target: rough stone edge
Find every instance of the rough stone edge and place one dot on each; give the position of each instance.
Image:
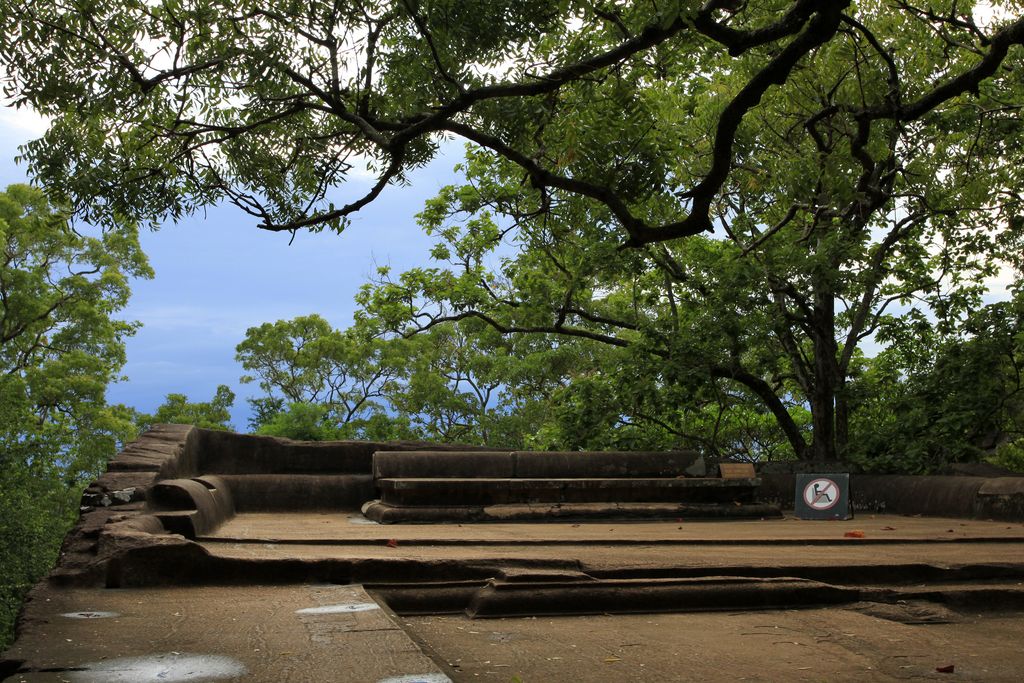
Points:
(108, 506)
(509, 464)
(114, 517)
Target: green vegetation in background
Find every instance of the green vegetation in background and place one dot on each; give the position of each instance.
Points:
(930, 399)
(177, 409)
(927, 401)
(323, 383)
(60, 347)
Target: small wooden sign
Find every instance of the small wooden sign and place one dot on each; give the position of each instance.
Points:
(736, 470)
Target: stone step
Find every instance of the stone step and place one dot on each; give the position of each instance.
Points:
(502, 598)
(385, 513)
(539, 594)
(501, 491)
(194, 507)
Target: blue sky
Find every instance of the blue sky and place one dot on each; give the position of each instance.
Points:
(217, 275)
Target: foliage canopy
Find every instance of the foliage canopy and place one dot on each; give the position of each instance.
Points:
(857, 163)
(647, 110)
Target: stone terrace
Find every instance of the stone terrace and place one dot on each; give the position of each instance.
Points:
(212, 556)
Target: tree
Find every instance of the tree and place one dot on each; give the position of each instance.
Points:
(455, 389)
(265, 104)
(649, 349)
(322, 383)
(177, 409)
(60, 347)
(930, 400)
(306, 362)
(621, 400)
(702, 318)
(831, 218)
(849, 151)
(300, 421)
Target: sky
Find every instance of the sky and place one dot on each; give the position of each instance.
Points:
(217, 275)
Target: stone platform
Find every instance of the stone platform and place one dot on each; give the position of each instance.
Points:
(192, 563)
(634, 601)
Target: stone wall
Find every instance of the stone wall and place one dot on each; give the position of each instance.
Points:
(938, 496)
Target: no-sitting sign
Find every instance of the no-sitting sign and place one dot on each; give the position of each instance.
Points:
(822, 496)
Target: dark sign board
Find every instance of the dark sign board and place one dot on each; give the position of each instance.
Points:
(823, 496)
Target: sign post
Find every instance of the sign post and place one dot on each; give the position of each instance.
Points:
(822, 496)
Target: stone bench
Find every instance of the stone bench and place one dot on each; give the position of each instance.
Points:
(505, 485)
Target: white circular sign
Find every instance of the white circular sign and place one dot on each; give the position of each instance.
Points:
(821, 494)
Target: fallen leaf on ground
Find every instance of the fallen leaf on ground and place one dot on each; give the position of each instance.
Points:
(948, 669)
(856, 533)
(612, 660)
(392, 542)
(888, 528)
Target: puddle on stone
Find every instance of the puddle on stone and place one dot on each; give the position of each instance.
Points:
(417, 678)
(339, 609)
(91, 615)
(171, 667)
(359, 519)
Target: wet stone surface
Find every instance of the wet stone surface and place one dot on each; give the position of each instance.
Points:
(339, 609)
(252, 633)
(91, 615)
(171, 667)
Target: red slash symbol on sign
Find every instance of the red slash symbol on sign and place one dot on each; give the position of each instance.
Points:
(821, 494)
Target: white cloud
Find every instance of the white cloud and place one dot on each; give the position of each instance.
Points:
(22, 122)
(190, 323)
(998, 285)
(361, 169)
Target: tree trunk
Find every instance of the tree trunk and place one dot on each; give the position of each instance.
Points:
(823, 423)
(842, 420)
(826, 378)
